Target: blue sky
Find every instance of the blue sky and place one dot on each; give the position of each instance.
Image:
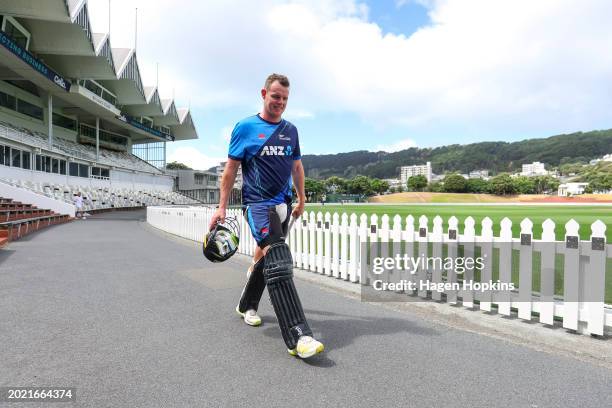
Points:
(398, 17)
(376, 75)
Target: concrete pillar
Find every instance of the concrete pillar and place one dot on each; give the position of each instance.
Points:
(50, 117)
(97, 139)
(164, 155)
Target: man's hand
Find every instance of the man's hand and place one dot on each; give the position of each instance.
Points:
(298, 210)
(218, 216)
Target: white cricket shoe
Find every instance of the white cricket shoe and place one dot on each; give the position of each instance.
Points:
(307, 347)
(250, 317)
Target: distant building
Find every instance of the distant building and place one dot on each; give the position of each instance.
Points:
(534, 169)
(200, 185)
(394, 183)
(237, 181)
(408, 171)
(571, 189)
(606, 158)
(479, 174)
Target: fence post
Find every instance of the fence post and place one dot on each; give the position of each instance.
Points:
(525, 270)
(451, 275)
(305, 241)
(319, 254)
(311, 246)
(469, 236)
(505, 266)
(422, 272)
(363, 241)
(372, 233)
(327, 255)
(396, 236)
(354, 243)
(290, 238)
(436, 270)
(486, 253)
(294, 233)
(335, 243)
(383, 236)
(344, 246)
(595, 279)
(571, 275)
(409, 245)
(548, 250)
(297, 237)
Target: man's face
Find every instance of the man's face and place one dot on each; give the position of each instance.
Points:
(275, 99)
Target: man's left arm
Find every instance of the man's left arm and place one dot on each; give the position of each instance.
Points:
(297, 172)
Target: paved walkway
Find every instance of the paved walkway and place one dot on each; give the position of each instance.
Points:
(135, 318)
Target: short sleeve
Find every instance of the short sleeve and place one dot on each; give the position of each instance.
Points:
(297, 154)
(236, 147)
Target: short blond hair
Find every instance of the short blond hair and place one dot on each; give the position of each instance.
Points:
(282, 79)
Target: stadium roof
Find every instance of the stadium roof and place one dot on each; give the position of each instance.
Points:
(63, 51)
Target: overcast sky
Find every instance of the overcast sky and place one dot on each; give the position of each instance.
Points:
(376, 75)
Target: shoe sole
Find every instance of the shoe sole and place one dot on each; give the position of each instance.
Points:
(314, 352)
(242, 315)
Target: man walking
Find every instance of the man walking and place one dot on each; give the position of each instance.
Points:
(268, 149)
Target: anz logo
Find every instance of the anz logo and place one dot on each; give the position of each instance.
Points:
(276, 151)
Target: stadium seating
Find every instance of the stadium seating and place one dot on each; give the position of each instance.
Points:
(19, 219)
(76, 150)
(104, 198)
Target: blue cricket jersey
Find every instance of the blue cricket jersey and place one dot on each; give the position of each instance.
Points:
(266, 151)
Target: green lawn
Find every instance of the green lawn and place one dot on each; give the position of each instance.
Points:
(560, 214)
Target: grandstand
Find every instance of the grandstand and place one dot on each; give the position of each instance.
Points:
(76, 117)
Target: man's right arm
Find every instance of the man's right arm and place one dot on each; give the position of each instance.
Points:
(227, 183)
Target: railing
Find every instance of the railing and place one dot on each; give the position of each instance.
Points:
(333, 245)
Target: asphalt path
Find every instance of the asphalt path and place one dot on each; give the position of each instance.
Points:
(132, 317)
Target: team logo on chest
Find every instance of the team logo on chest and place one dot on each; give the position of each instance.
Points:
(276, 151)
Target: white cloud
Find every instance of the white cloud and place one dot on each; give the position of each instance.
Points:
(296, 113)
(482, 65)
(193, 158)
(397, 146)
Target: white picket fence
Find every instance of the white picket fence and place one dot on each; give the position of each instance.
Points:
(330, 244)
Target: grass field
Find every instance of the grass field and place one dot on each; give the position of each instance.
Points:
(560, 214)
(427, 197)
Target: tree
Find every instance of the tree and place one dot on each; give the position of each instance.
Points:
(177, 166)
(477, 186)
(502, 185)
(545, 184)
(360, 185)
(379, 186)
(600, 182)
(524, 185)
(455, 183)
(335, 184)
(435, 187)
(570, 168)
(417, 183)
(314, 188)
